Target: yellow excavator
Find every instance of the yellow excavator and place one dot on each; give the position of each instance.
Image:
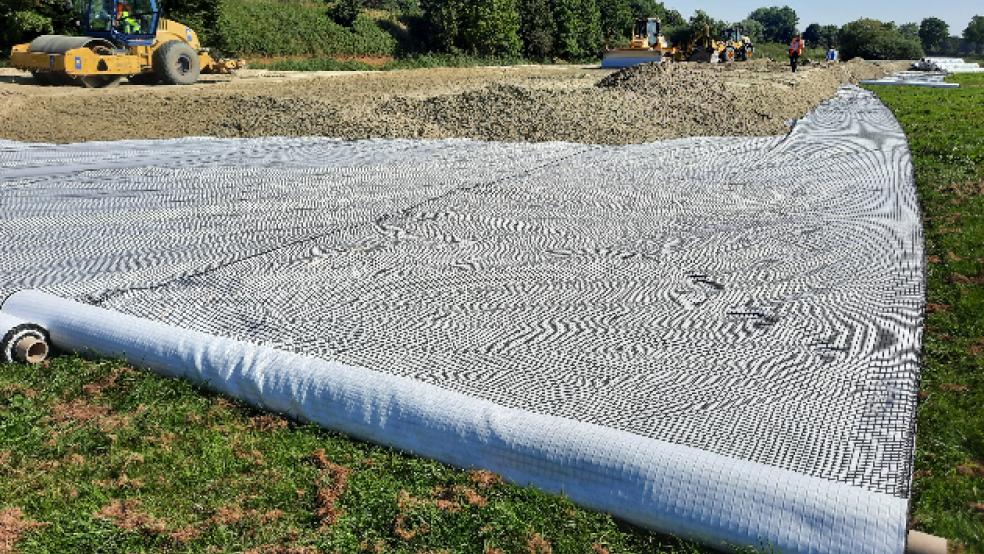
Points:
(648, 45)
(123, 39)
(733, 46)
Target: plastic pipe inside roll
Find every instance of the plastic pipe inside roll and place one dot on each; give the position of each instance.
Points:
(691, 493)
(30, 350)
(921, 543)
(22, 340)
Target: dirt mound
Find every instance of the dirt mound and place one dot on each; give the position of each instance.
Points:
(638, 104)
(528, 103)
(498, 112)
(655, 77)
(277, 116)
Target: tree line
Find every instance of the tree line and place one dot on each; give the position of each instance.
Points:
(579, 29)
(546, 30)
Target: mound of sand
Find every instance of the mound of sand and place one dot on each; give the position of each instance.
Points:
(544, 103)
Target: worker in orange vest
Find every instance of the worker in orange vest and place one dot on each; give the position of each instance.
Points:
(795, 51)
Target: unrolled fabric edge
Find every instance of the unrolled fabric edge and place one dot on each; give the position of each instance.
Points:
(691, 493)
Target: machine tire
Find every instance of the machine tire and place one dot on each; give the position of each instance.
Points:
(176, 63)
(702, 55)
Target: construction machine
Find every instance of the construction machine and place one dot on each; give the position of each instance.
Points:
(732, 46)
(122, 39)
(648, 45)
(737, 46)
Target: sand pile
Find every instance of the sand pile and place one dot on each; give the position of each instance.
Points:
(638, 104)
(541, 103)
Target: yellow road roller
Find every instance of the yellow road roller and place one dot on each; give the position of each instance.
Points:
(122, 39)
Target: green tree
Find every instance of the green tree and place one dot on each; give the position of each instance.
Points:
(345, 12)
(578, 29)
(537, 29)
(651, 8)
(829, 36)
(486, 27)
(443, 20)
(200, 15)
(492, 28)
(779, 23)
(616, 19)
(933, 33)
(753, 29)
(567, 20)
(592, 38)
(701, 20)
(812, 34)
(909, 31)
(402, 7)
(974, 33)
(24, 20)
(874, 40)
(696, 27)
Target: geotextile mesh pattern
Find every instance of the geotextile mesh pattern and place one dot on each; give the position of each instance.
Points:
(756, 299)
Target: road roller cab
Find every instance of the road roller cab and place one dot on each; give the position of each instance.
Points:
(125, 23)
(123, 38)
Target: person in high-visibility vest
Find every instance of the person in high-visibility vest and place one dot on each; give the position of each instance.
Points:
(128, 24)
(795, 51)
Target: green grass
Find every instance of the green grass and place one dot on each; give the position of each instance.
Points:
(947, 142)
(420, 61)
(110, 459)
(293, 27)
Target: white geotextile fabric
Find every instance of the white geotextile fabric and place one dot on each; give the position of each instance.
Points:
(950, 65)
(689, 492)
(716, 337)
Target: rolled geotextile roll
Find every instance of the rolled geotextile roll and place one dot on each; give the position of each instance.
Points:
(22, 341)
(691, 493)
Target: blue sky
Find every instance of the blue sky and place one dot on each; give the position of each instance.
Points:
(955, 12)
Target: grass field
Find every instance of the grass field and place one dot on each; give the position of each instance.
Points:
(945, 135)
(97, 457)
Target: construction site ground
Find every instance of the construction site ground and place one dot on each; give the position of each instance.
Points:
(522, 103)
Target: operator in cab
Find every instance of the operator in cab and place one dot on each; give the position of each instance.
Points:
(125, 22)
